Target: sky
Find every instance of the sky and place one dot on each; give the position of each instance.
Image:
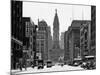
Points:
(46, 11)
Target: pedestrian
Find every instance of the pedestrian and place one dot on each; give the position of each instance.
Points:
(25, 63)
(25, 66)
(20, 64)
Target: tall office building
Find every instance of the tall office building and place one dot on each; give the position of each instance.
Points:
(16, 32)
(72, 42)
(66, 47)
(29, 39)
(42, 41)
(85, 38)
(93, 30)
(50, 43)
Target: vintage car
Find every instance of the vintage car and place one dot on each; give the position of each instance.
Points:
(49, 64)
(40, 64)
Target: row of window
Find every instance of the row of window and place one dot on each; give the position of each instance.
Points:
(42, 28)
(41, 36)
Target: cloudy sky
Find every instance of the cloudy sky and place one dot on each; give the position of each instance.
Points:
(46, 11)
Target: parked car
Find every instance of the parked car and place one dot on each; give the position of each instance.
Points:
(89, 65)
(40, 64)
(74, 64)
(49, 64)
(83, 65)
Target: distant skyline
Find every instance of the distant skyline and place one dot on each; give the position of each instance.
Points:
(66, 13)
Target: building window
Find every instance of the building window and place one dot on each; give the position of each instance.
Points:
(42, 36)
(86, 36)
(31, 46)
(31, 39)
(26, 29)
(30, 32)
(42, 43)
(34, 37)
(42, 48)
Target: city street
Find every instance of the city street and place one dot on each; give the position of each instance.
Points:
(53, 69)
(50, 41)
